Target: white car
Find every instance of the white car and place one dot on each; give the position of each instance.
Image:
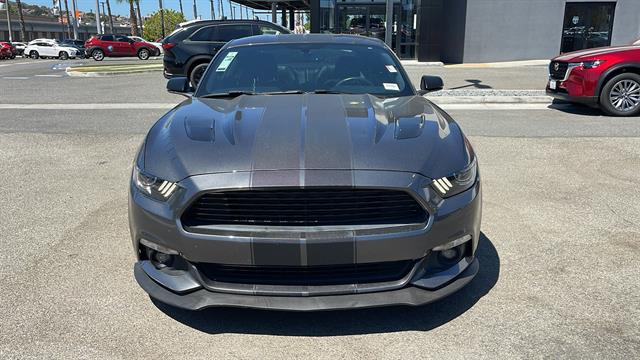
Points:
(49, 48)
(156, 44)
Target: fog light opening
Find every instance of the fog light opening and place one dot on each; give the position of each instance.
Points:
(160, 256)
(450, 254)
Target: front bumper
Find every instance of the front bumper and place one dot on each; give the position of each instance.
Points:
(202, 298)
(449, 219)
(564, 96)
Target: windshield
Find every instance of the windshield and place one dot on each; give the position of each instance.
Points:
(331, 68)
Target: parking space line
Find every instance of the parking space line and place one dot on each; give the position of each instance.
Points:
(15, 77)
(49, 75)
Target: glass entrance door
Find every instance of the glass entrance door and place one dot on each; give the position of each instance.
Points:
(366, 20)
(587, 25)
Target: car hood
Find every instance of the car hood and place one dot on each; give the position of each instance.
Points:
(591, 54)
(309, 131)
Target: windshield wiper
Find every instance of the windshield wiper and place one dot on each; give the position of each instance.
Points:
(236, 93)
(231, 94)
(324, 91)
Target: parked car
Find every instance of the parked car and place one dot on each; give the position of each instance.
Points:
(637, 42)
(109, 45)
(305, 173)
(189, 49)
(20, 46)
(608, 78)
(78, 44)
(48, 48)
(158, 46)
(7, 50)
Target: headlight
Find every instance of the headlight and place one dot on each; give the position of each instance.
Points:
(587, 64)
(153, 186)
(458, 182)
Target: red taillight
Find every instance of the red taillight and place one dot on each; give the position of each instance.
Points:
(168, 46)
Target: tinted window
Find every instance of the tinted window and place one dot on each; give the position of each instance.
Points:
(205, 34)
(267, 30)
(123, 39)
(231, 32)
(343, 68)
(106, 38)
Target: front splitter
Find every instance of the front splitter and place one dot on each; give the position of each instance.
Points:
(201, 299)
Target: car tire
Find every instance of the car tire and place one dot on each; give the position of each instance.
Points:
(620, 96)
(63, 55)
(97, 55)
(34, 54)
(196, 74)
(143, 54)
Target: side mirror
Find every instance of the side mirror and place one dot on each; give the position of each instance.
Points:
(430, 83)
(179, 85)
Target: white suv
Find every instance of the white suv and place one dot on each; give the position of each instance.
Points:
(49, 48)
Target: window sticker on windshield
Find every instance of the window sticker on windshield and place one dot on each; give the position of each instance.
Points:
(226, 61)
(391, 86)
(391, 68)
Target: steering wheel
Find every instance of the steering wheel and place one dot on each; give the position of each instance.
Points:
(359, 79)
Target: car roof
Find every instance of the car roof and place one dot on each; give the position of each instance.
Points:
(208, 22)
(307, 39)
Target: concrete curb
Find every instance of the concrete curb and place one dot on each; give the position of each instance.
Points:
(490, 99)
(71, 72)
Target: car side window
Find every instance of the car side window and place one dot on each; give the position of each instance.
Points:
(267, 30)
(205, 34)
(122, 39)
(107, 38)
(230, 32)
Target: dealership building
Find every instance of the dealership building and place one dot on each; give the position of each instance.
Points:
(463, 31)
(451, 31)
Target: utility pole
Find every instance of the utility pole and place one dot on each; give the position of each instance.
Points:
(161, 17)
(195, 10)
(98, 25)
(75, 19)
(274, 13)
(181, 10)
(221, 10)
(233, 11)
(213, 12)
(9, 22)
(103, 12)
(66, 10)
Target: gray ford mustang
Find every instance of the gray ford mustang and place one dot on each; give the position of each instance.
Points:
(304, 173)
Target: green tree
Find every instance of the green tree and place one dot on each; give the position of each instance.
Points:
(153, 25)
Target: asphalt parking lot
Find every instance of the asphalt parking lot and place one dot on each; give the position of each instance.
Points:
(561, 238)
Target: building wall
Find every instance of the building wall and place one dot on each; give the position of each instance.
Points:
(502, 30)
(453, 32)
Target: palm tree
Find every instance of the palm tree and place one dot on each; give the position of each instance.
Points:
(110, 17)
(139, 17)
(132, 17)
(181, 11)
(66, 10)
(23, 29)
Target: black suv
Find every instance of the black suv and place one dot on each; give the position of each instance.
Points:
(78, 44)
(189, 49)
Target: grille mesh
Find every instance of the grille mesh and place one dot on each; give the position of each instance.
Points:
(306, 275)
(305, 207)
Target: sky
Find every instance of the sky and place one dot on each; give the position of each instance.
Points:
(149, 6)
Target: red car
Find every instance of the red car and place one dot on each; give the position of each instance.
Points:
(108, 45)
(7, 51)
(608, 78)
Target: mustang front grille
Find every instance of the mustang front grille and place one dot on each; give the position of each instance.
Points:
(305, 207)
